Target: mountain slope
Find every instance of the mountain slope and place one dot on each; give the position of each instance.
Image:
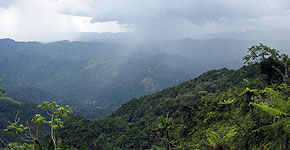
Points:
(95, 78)
(96, 84)
(9, 108)
(132, 124)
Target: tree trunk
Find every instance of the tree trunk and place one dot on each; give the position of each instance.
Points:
(282, 142)
(35, 146)
(246, 144)
(286, 142)
(35, 135)
(52, 134)
(167, 141)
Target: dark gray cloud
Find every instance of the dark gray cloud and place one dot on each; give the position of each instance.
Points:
(196, 11)
(184, 18)
(177, 18)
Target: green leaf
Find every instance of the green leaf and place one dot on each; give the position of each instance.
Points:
(271, 111)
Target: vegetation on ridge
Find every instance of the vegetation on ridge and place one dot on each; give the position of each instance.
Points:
(221, 109)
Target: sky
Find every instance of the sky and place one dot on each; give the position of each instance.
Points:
(52, 20)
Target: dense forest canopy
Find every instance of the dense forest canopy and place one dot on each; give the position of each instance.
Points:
(144, 75)
(221, 109)
(95, 78)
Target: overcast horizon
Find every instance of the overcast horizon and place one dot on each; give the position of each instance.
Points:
(54, 20)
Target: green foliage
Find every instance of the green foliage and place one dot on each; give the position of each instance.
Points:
(280, 110)
(9, 107)
(165, 127)
(260, 53)
(274, 65)
(1, 91)
(219, 139)
(269, 110)
(14, 129)
(200, 104)
(131, 125)
(203, 93)
(39, 120)
(18, 146)
(279, 107)
(249, 92)
(55, 112)
(229, 101)
(93, 87)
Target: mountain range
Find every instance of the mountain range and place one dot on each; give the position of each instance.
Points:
(96, 77)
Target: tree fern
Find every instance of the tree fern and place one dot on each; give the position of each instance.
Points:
(271, 111)
(278, 101)
(252, 92)
(229, 101)
(219, 139)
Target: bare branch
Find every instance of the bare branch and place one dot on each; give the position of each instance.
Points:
(48, 113)
(17, 119)
(207, 144)
(278, 71)
(35, 129)
(24, 139)
(26, 135)
(285, 78)
(2, 141)
(29, 129)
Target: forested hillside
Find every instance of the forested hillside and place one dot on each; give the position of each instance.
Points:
(98, 85)
(221, 109)
(10, 110)
(137, 118)
(95, 78)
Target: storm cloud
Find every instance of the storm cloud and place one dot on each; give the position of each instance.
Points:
(171, 18)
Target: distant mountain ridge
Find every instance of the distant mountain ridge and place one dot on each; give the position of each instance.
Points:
(94, 83)
(97, 77)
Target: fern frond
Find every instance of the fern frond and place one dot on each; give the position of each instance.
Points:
(229, 101)
(229, 135)
(213, 138)
(278, 101)
(271, 111)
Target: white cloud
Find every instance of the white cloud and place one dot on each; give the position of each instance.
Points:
(41, 20)
(9, 22)
(183, 18)
(149, 18)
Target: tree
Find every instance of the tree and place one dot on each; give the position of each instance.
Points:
(25, 132)
(228, 103)
(165, 126)
(1, 140)
(270, 61)
(285, 61)
(219, 140)
(260, 53)
(249, 93)
(56, 113)
(31, 134)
